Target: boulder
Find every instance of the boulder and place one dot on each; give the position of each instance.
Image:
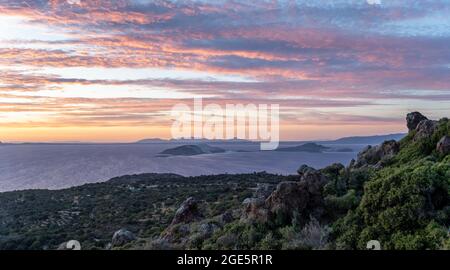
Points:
(122, 237)
(206, 230)
(413, 119)
(226, 218)
(425, 129)
(305, 169)
(180, 228)
(301, 197)
(313, 182)
(313, 179)
(377, 155)
(254, 209)
(363, 158)
(288, 197)
(188, 212)
(443, 146)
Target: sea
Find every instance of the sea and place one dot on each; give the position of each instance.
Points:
(57, 166)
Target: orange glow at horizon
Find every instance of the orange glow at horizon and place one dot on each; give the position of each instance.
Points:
(124, 134)
(82, 134)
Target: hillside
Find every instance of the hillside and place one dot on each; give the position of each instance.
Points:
(396, 193)
(144, 204)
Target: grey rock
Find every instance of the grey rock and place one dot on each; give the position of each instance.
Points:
(188, 212)
(443, 146)
(413, 119)
(288, 196)
(376, 156)
(425, 129)
(180, 227)
(313, 181)
(226, 218)
(254, 209)
(177, 233)
(122, 237)
(206, 230)
(253, 201)
(305, 169)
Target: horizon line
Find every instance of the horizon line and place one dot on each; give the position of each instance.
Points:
(163, 140)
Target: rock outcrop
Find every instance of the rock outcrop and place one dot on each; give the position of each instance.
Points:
(226, 217)
(188, 212)
(305, 169)
(255, 210)
(206, 230)
(180, 227)
(289, 198)
(443, 146)
(425, 129)
(313, 195)
(376, 156)
(254, 207)
(122, 237)
(413, 119)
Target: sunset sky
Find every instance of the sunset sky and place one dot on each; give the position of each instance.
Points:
(104, 70)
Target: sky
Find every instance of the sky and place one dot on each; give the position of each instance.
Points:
(110, 71)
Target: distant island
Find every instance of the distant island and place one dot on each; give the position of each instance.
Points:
(375, 139)
(192, 150)
(152, 140)
(307, 147)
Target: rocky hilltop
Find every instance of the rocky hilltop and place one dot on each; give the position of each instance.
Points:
(396, 192)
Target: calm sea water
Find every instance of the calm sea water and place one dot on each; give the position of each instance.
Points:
(58, 166)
